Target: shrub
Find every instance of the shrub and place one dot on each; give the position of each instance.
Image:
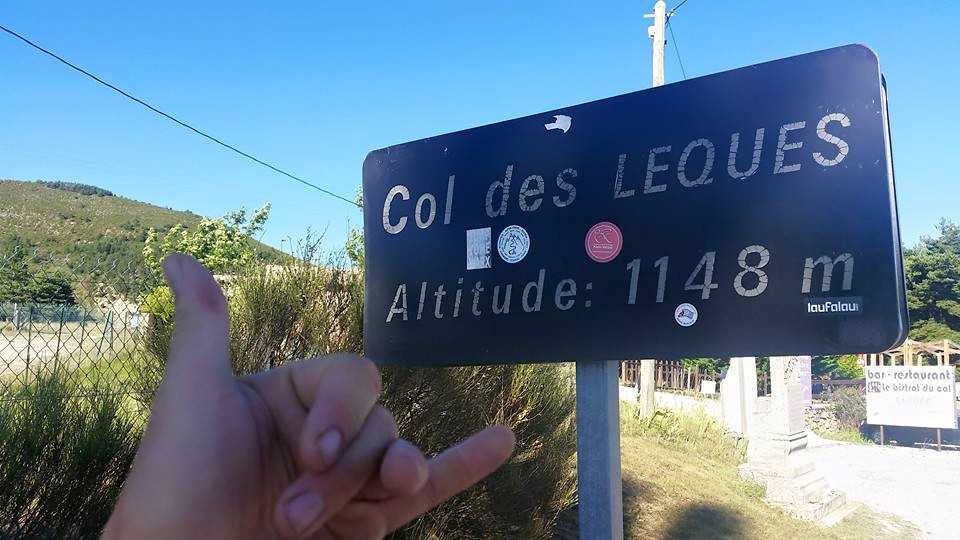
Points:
(277, 313)
(849, 406)
(301, 310)
(64, 459)
(435, 408)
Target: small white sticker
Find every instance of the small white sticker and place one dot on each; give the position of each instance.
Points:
(560, 121)
(685, 314)
(513, 244)
(478, 248)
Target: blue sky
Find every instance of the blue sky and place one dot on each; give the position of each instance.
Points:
(314, 86)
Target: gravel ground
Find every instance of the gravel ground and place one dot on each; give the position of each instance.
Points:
(919, 485)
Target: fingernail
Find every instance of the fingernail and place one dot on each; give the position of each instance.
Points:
(329, 445)
(171, 269)
(303, 510)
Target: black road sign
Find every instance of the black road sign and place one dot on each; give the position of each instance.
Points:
(751, 212)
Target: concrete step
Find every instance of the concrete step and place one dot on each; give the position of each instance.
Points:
(829, 510)
(787, 493)
(809, 487)
(839, 512)
(773, 468)
(808, 479)
(815, 491)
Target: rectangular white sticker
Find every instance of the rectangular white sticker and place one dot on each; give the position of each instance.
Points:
(478, 248)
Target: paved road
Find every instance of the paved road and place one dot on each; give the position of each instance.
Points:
(919, 485)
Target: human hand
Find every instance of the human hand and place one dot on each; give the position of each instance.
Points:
(301, 451)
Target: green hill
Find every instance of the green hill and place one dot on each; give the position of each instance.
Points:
(65, 219)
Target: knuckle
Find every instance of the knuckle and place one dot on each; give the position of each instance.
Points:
(360, 366)
(372, 372)
(385, 420)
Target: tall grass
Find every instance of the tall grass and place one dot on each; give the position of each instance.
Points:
(436, 407)
(64, 459)
(696, 432)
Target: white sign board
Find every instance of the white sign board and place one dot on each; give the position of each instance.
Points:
(920, 396)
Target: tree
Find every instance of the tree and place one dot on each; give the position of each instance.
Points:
(222, 245)
(13, 246)
(932, 271)
(23, 282)
(836, 367)
(14, 278)
(712, 366)
(355, 245)
(50, 287)
(76, 187)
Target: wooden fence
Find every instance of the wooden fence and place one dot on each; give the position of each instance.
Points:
(672, 375)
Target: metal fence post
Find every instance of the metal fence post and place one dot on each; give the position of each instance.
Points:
(29, 338)
(56, 355)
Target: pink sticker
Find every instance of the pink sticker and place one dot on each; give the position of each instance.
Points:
(603, 242)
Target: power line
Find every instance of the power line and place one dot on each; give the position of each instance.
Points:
(672, 11)
(175, 119)
(675, 47)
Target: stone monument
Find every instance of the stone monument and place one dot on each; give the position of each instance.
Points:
(806, 379)
(738, 395)
(776, 455)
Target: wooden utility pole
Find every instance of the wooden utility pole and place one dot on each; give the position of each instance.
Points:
(657, 33)
(647, 385)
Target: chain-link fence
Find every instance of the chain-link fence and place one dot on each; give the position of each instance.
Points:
(82, 319)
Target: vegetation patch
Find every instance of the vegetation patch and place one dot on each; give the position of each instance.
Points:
(64, 459)
(680, 480)
(75, 187)
(77, 222)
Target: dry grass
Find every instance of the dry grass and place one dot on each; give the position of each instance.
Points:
(680, 481)
(851, 435)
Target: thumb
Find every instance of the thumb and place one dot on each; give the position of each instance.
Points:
(199, 348)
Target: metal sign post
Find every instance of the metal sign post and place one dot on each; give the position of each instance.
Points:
(599, 481)
(599, 486)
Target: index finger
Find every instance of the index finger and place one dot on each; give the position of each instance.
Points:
(451, 472)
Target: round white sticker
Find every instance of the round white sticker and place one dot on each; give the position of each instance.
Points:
(685, 314)
(513, 244)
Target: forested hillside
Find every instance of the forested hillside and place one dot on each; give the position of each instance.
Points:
(74, 220)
